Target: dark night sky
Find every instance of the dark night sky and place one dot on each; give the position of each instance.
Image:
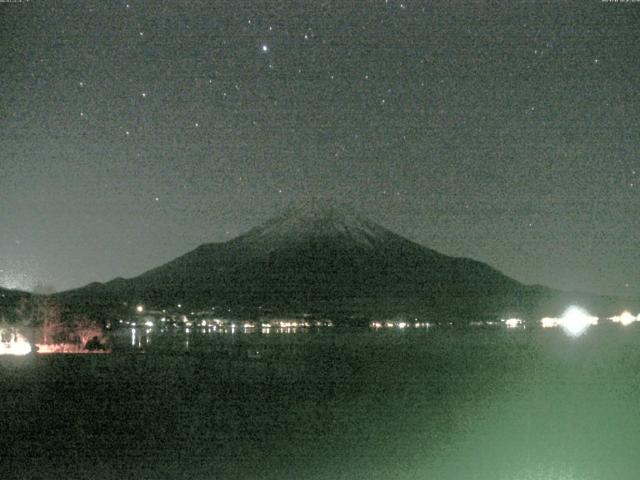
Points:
(505, 131)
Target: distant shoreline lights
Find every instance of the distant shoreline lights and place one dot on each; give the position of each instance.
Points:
(513, 322)
(625, 318)
(574, 321)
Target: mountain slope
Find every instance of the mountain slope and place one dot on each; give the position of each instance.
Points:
(320, 254)
(317, 257)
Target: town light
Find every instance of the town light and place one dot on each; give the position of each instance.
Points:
(575, 321)
(512, 322)
(625, 318)
(548, 322)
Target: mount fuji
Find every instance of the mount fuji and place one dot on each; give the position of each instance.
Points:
(318, 258)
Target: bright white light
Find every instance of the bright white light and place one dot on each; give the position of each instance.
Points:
(148, 323)
(625, 318)
(575, 321)
(548, 322)
(17, 344)
(265, 48)
(139, 309)
(512, 322)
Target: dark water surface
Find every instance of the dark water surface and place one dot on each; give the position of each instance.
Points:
(428, 404)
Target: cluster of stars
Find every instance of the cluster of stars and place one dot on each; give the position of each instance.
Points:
(265, 48)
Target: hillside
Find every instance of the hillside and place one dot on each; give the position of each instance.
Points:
(324, 259)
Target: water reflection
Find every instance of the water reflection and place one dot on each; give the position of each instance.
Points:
(194, 332)
(205, 336)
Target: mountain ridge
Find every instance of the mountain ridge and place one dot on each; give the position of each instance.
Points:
(330, 261)
(318, 256)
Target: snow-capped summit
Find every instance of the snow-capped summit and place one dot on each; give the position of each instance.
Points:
(317, 220)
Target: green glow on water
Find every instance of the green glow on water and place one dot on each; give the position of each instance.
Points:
(443, 404)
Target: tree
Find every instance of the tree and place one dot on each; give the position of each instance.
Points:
(85, 329)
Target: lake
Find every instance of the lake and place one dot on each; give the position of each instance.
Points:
(436, 403)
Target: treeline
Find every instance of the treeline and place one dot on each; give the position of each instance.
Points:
(44, 319)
